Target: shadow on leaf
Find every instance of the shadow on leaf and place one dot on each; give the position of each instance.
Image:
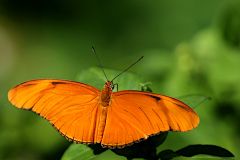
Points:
(193, 150)
(144, 149)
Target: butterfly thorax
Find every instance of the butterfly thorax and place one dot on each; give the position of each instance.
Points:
(106, 93)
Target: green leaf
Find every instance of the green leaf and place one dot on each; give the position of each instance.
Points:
(212, 150)
(92, 152)
(109, 155)
(145, 87)
(77, 152)
(205, 151)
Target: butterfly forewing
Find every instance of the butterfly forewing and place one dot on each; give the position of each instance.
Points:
(72, 107)
(135, 115)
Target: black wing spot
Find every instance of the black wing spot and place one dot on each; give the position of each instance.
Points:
(156, 98)
(184, 108)
(56, 83)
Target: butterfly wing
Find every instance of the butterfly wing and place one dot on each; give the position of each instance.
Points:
(135, 115)
(71, 107)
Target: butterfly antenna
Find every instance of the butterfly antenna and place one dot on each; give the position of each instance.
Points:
(99, 62)
(127, 68)
(204, 100)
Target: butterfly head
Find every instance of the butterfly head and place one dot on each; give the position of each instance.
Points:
(109, 85)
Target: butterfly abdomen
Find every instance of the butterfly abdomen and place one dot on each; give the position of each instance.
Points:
(101, 122)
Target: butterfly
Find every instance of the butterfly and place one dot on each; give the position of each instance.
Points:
(85, 114)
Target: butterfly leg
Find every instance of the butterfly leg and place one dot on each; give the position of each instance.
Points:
(116, 84)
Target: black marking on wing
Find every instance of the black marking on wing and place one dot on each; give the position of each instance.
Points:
(155, 97)
(56, 83)
(184, 108)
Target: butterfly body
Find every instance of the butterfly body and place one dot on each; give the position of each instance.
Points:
(85, 114)
(106, 93)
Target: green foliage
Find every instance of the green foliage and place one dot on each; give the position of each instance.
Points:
(81, 151)
(78, 151)
(188, 50)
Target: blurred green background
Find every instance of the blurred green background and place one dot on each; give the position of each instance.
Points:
(190, 47)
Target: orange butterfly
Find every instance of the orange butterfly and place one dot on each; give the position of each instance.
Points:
(85, 114)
